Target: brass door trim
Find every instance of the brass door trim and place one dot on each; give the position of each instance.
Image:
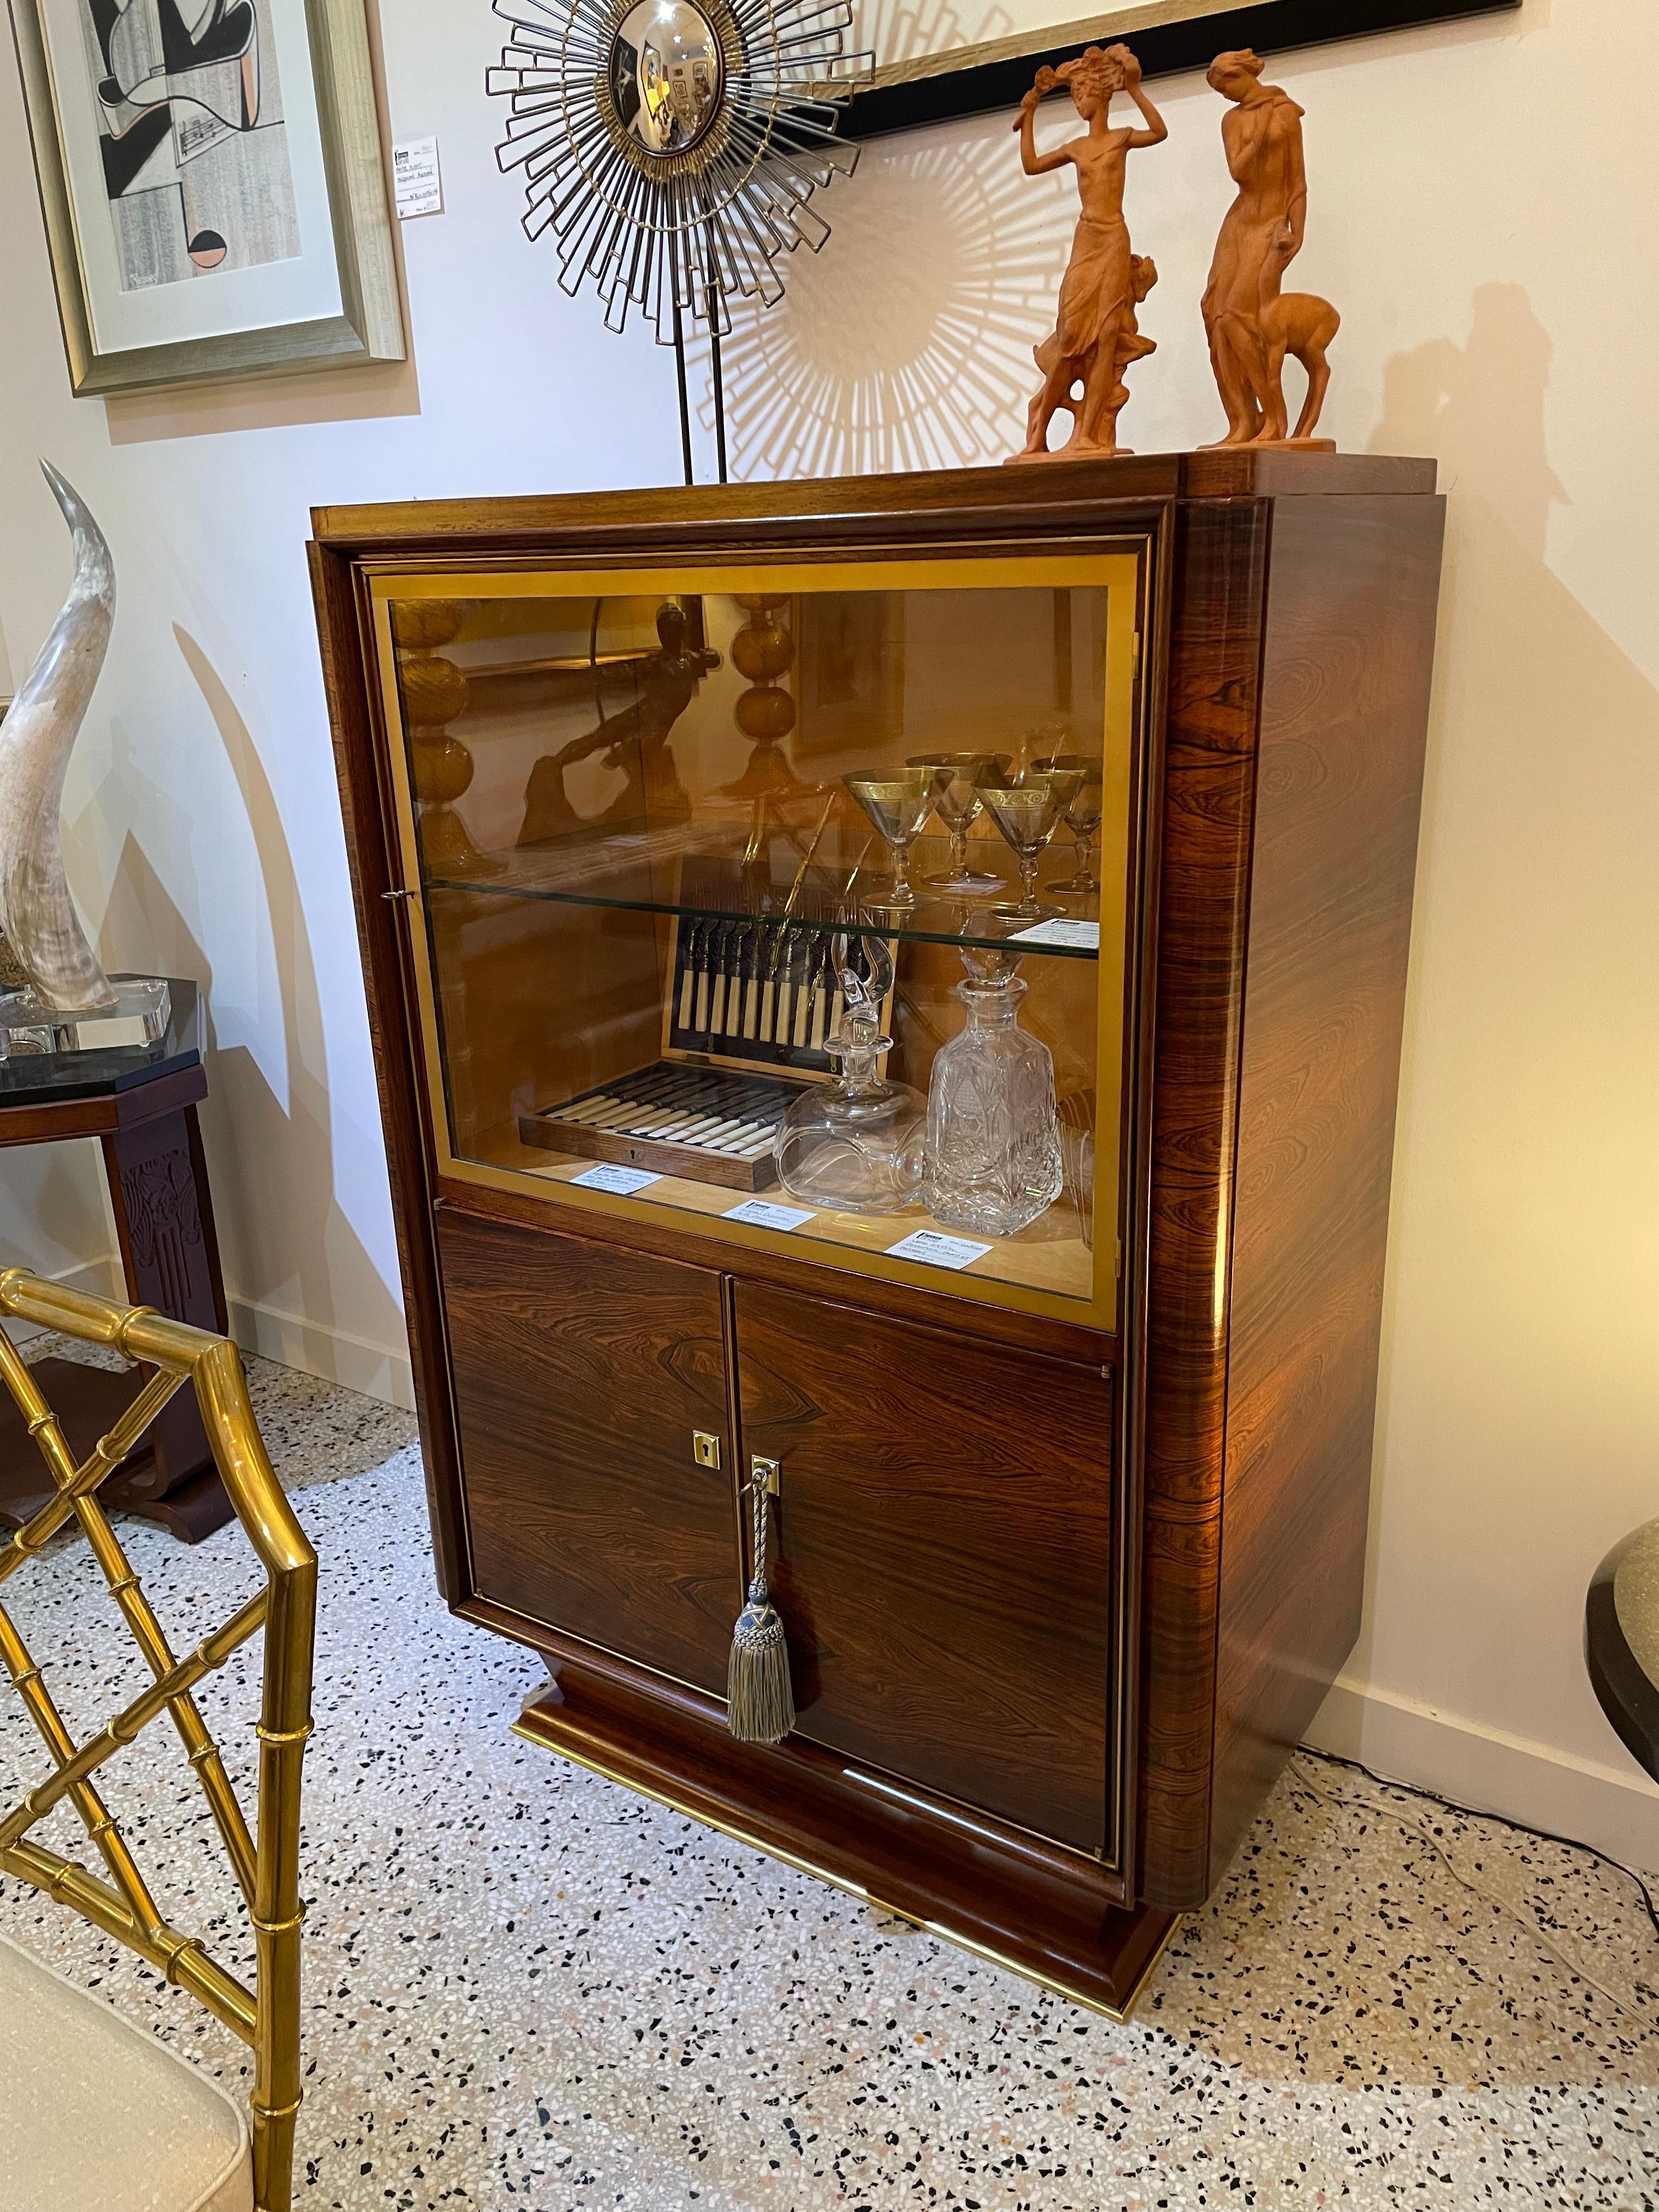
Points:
(1122, 570)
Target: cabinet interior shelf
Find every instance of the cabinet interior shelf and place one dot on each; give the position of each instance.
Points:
(1052, 1257)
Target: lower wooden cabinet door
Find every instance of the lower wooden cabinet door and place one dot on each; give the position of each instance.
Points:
(943, 1555)
(581, 1374)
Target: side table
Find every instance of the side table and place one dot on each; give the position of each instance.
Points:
(1621, 1642)
(140, 1105)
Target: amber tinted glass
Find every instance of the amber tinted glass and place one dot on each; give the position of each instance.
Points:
(691, 862)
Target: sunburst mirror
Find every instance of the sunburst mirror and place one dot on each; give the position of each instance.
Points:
(672, 147)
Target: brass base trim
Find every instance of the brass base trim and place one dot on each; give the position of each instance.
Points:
(550, 1642)
(545, 1735)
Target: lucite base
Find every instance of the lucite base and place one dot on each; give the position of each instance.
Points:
(138, 1020)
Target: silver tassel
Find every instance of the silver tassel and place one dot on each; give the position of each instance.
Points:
(760, 1705)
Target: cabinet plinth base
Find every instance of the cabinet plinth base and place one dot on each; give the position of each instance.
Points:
(1048, 1914)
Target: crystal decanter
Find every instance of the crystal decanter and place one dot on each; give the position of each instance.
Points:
(993, 1148)
(856, 1143)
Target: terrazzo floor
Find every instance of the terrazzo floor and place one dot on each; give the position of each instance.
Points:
(526, 1987)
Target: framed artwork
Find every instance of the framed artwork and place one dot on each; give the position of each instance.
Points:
(211, 181)
(982, 54)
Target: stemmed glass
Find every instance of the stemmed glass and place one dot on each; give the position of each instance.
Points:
(1028, 814)
(1082, 816)
(957, 804)
(898, 802)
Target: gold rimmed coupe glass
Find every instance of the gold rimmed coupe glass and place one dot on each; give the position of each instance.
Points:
(1082, 816)
(1028, 814)
(957, 802)
(898, 802)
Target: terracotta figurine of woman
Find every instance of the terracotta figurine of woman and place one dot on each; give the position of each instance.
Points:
(1250, 323)
(1096, 336)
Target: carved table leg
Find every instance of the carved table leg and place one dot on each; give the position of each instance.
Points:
(170, 1253)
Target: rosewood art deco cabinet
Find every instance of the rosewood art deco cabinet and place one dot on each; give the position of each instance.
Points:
(1069, 1524)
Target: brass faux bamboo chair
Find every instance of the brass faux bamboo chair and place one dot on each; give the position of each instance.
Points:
(265, 1863)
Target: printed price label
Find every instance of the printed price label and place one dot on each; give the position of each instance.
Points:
(417, 186)
(937, 1249)
(623, 1180)
(1076, 936)
(764, 1215)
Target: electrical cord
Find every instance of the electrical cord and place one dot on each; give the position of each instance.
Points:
(1474, 1813)
(1563, 1957)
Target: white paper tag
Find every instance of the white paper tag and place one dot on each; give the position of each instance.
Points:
(417, 186)
(1080, 936)
(937, 1249)
(621, 1180)
(764, 1215)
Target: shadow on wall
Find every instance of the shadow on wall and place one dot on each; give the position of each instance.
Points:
(1520, 1330)
(315, 1265)
(265, 402)
(1480, 408)
(907, 344)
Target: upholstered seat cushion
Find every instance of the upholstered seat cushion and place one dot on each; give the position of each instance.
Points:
(98, 2117)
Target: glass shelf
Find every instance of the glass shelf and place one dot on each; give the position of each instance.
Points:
(632, 874)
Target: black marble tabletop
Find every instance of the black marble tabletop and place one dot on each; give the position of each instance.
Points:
(1621, 1642)
(44, 1079)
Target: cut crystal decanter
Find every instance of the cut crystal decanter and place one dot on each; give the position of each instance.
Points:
(855, 1143)
(993, 1146)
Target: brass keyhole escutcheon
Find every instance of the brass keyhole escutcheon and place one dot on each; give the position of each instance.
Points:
(705, 1449)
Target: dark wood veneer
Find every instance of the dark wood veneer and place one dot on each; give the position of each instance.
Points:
(1343, 716)
(945, 1552)
(580, 1377)
(1095, 497)
(1140, 1551)
(1215, 651)
(956, 1317)
(1303, 636)
(372, 848)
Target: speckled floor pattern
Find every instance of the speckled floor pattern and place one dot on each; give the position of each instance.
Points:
(526, 1988)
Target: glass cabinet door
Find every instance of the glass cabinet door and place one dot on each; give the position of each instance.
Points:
(787, 903)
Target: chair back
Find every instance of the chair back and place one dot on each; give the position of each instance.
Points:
(264, 1859)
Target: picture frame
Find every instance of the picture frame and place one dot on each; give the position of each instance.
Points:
(974, 78)
(211, 182)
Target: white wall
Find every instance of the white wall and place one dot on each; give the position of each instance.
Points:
(1484, 203)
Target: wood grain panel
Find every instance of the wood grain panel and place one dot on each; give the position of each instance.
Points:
(48, 1122)
(945, 1552)
(1345, 698)
(376, 873)
(1215, 652)
(579, 1377)
(835, 511)
(970, 1320)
